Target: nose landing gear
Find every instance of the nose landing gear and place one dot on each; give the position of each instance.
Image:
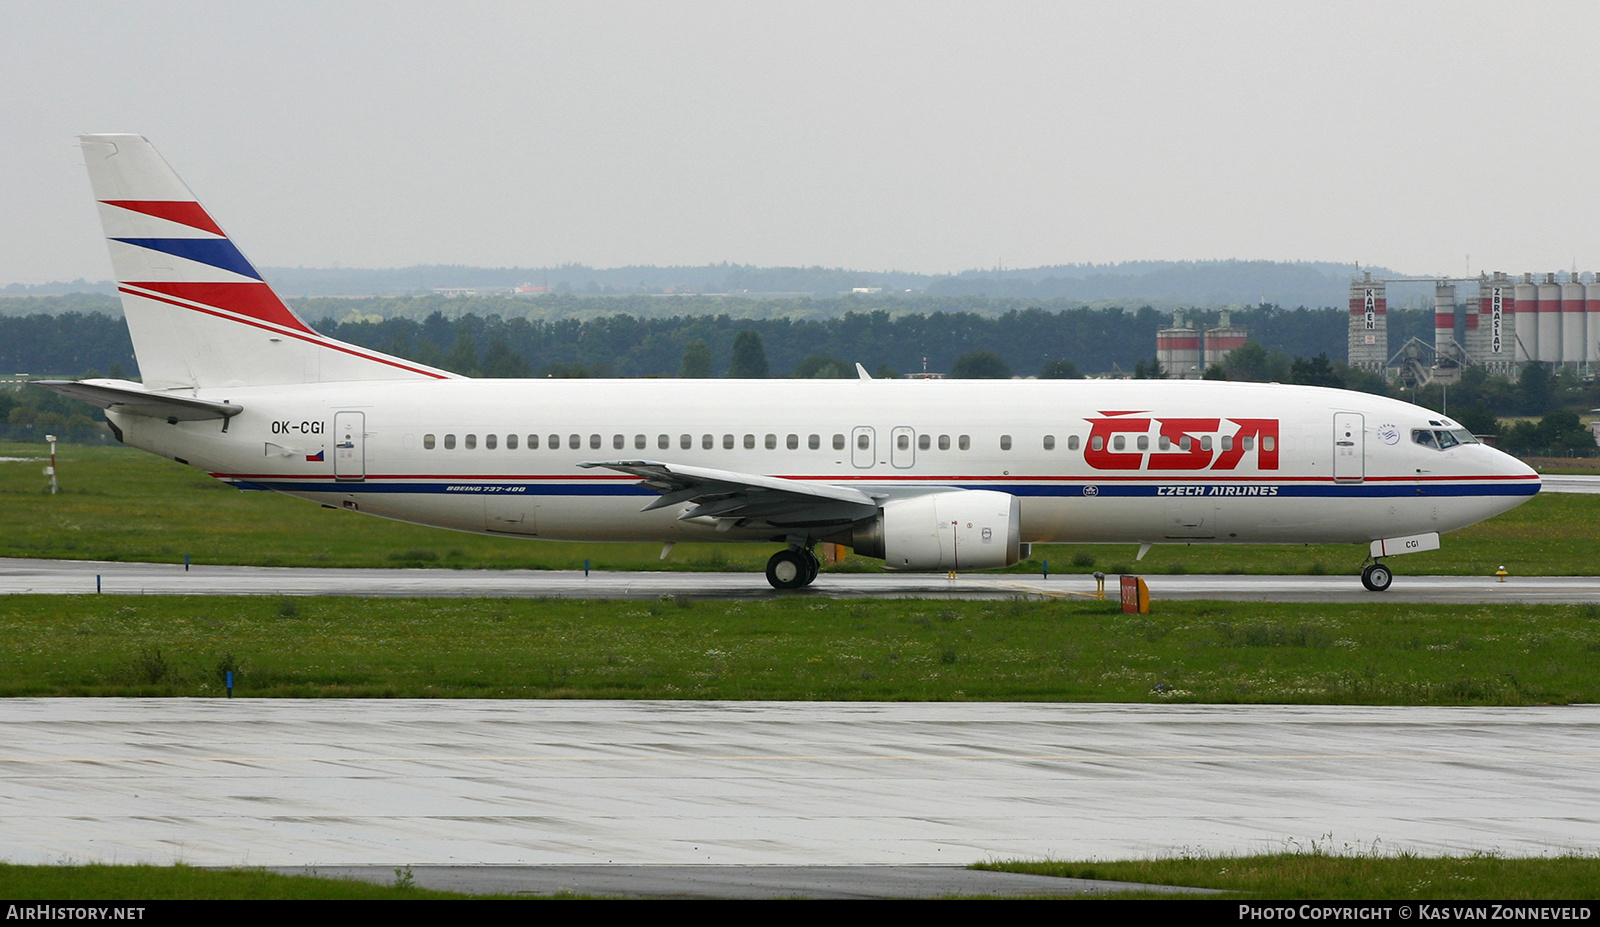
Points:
(1376, 577)
(793, 568)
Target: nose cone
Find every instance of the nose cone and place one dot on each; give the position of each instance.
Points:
(1522, 471)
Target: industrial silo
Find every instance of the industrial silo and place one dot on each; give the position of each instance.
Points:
(1550, 320)
(1574, 306)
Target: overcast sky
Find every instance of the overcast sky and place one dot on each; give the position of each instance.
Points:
(1431, 137)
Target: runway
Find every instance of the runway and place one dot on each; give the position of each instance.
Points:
(80, 577)
(289, 783)
(1585, 483)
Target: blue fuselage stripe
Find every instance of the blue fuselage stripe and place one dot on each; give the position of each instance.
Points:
(510, 488)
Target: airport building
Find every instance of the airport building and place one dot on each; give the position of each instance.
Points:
(1491, 321)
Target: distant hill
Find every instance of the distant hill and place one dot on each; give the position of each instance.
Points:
(1170, 283)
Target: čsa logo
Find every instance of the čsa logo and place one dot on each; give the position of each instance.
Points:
(1121, 441)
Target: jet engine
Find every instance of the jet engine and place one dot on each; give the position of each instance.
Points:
(975, 529)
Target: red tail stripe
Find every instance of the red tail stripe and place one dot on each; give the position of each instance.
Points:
(183, 212)
(255, 300)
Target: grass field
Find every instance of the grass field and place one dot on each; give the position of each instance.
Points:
(1312, 874)
(1297, 876)
(121, 504)
(800, 648)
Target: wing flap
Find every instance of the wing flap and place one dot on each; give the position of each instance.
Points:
(728, 494)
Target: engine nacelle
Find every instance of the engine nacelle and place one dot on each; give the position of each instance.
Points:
(976, 529)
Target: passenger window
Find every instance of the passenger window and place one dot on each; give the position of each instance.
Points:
(1249, 442)
(1205, 443)
(1049, 442)
(1144, 442)
(511, 442)
(533, 442)
(471, 442)
(1183, 443)
(664, 442)
(944, 442)
(707, 442)
(965, 443)
(618, 442)
(838, 442)
(772, 442)
(575, 441)
(862, 441)
(1005, 442)
(449, 442)
(1227, 442)
(555, 443)
(903, 442)
(1165, 443)
(1098, 442)
(814, 442)
(1119, 442)
(638, 442)
(792, 442)
(594, 442)
(427, 441)
(727, 442)
(749, 442)
(1072, 442)
(685, 441)
(490, 442)
(924, 442)
(1269, 443)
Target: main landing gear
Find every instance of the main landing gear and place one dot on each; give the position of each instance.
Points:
(1375, 576)
(793, 568)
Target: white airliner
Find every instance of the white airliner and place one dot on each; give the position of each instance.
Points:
(925, 474)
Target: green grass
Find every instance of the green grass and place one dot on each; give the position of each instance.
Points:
(122, 504)
(1315, 874)
(162, 883)
(800, 647)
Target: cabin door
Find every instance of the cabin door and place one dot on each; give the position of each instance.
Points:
(349, 446)
(1349, 447)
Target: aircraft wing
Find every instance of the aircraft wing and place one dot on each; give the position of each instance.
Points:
(726, 494)
(127, 396)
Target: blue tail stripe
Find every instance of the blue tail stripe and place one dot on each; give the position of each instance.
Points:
(218, 252)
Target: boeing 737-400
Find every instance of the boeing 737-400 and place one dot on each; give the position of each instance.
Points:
(924, 474)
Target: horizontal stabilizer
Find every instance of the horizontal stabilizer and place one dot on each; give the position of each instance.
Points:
(130, 397)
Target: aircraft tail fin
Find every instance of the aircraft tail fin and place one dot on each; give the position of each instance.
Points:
(199, 312)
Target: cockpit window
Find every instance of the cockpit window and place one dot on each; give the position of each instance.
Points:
(1441, 438)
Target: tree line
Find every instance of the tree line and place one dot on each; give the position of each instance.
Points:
(1287, 345)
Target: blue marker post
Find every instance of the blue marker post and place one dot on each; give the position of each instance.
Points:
(185, 563)
(1047, 569)
(586, 566)
(230, 683)
(97, 584)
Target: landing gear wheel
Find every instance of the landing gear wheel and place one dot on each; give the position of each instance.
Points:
(790, 569)
(1376, 577)
(813, 565)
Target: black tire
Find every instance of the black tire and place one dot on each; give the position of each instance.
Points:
(813, 566)
(1377, 577)
(789, 569)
